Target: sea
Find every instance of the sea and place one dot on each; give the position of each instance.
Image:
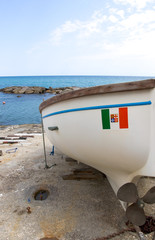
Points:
(25, 109)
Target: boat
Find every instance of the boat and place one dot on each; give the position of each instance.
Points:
(109, 127)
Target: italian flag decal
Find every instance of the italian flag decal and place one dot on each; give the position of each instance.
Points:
(115, 118)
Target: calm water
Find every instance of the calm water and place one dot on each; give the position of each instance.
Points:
(25, 109)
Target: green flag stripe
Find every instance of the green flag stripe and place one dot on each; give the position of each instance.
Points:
(105, 118)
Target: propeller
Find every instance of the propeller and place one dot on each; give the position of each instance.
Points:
(135, 212)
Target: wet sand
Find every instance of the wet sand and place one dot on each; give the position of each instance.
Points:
(82, 208)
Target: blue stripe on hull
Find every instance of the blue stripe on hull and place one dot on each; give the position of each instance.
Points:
(99, 107)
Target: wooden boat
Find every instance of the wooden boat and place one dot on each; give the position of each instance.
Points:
(109, 127)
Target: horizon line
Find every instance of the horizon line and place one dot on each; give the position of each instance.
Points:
(76, 75)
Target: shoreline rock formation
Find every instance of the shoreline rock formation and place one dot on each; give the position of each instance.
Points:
(36, 90)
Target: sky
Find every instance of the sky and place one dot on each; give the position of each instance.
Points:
(77, 37)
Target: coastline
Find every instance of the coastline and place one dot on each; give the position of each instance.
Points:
(72, 207)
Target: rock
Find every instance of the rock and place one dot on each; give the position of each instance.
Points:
(16, 90)
(58, 91)
(75, 88)
(49, 91)
(67, 90)
(1, 153)
(13, 89)
(36, 90)
(8, 89)
(22, 90)
(39, 90)
(29, 91)
(64, 90)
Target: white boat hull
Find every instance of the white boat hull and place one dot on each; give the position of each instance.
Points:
(121, 154)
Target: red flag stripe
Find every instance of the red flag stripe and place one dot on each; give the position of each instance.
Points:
(123, 117)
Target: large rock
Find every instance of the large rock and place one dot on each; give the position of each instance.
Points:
(29, 91)
(50, 90)
(39, 89)
(8, 89)
(36, 90)
(62, 90)
(16, 90)
(22, 90)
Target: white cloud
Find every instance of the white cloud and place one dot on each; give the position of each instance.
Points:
(140, 46)
(111, 35)
(82, 28)
(139, 19)
(120, 13)
(106, 36)
(139, 4)
(113, 19)
(67, 27)
(101, 25)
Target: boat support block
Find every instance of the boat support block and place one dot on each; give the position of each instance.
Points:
(54, 128)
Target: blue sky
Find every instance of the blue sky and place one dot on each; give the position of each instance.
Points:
(81, 37)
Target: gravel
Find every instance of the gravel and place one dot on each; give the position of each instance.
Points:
(74, 210)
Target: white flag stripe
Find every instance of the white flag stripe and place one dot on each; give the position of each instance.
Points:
(114, 125)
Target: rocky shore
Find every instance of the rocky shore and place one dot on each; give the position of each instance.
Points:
(36, 90)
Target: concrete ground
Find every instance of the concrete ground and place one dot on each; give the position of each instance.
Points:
(77, 209)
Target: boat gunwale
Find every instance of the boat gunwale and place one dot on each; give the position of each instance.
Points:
(102, 89)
